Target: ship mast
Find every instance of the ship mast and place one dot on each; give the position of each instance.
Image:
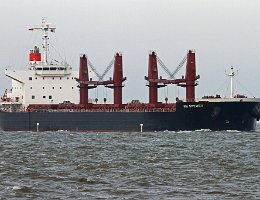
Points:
(45, 28)
(231, 75)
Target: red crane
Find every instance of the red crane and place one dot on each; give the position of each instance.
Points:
(118, 79)
(116, 83)
(188, 81)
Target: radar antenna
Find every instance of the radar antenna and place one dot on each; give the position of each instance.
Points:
(45, 28)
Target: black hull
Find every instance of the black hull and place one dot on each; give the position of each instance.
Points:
(188, 116)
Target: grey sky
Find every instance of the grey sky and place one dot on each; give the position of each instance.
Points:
(223, 33)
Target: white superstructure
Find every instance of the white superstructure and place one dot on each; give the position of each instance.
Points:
(44, 81)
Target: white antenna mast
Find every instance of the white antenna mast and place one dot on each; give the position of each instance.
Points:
(44, 28)
(231, 75)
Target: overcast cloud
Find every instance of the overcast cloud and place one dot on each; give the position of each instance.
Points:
(223, 33)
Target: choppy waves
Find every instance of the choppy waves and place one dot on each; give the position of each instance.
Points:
(163, 165)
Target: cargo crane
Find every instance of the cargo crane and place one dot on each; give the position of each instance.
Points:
(166, 69)
(188, 81)
(118, 79)
(116, 83)
(101, 76)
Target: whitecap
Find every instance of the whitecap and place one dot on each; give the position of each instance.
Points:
(203, 130)
(233, 131)
(16, 187)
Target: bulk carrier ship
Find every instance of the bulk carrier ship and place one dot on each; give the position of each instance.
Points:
(50, 96)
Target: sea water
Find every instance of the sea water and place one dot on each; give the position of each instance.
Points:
(199, 164)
